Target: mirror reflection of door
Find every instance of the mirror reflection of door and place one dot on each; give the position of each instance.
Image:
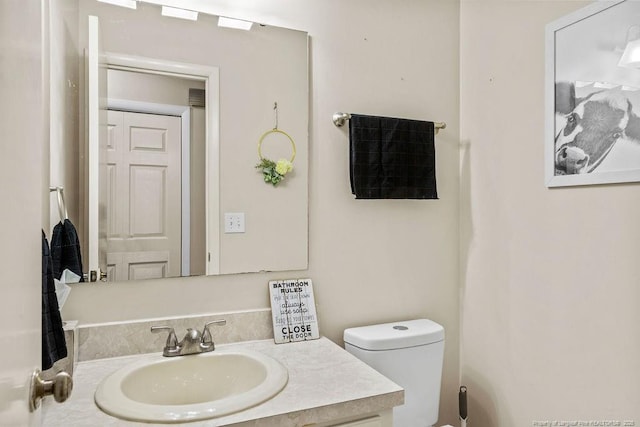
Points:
(143, 158)
(155, 179)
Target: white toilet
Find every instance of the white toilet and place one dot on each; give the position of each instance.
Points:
(409, 353)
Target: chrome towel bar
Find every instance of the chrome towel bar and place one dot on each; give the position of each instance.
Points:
(339, 119)
(62, 207)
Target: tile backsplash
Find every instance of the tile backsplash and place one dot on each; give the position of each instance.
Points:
(102, 340)
(68, 363)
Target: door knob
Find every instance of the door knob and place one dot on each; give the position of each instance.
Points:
(59, 387)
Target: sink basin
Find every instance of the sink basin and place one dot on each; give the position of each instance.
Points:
(188, 388)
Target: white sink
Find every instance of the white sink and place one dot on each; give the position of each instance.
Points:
(194, 387)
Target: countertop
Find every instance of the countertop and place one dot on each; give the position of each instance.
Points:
(325, 383)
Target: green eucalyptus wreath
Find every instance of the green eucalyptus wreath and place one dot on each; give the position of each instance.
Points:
(274, 172)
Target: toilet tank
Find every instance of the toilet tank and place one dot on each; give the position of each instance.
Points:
(409, 353)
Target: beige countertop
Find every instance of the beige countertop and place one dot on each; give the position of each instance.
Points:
(325, 383)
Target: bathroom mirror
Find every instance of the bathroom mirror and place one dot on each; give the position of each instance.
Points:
(214, 90)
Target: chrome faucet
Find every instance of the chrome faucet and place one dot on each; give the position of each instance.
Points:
(193, 342)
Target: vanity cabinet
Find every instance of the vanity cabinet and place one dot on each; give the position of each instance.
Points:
(383, 419)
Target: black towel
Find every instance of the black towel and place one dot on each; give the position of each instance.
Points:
(54, 346)
(65, 249)
(392, 158)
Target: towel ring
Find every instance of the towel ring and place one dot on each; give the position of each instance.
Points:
(269, 132)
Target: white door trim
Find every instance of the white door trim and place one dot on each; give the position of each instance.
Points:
(211, 77)
(92, 57)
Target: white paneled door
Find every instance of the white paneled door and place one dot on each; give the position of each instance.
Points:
(23, 192)
(142, 196)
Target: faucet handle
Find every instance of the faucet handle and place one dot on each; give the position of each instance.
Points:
(206, 341)
(171, 347)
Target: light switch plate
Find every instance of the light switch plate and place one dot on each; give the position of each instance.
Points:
(234, 222)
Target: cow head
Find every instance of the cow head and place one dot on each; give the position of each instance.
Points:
(593, 125)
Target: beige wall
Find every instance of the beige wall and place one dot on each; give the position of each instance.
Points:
(63, 139)
(550, 290)
(145, 87)
(371, 261)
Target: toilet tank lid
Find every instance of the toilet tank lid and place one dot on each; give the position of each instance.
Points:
(395, 335)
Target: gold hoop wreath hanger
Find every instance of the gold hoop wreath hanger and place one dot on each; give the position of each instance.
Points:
(274, 172)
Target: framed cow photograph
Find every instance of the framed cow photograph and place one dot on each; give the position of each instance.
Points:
(592, 95)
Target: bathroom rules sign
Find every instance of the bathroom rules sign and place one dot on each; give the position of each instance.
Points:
(293, 309)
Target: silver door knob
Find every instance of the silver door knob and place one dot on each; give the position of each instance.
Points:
(59, 387)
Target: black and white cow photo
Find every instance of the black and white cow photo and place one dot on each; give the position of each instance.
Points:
(596, 129)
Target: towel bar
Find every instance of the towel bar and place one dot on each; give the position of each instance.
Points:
(339, 119)
(62, 207)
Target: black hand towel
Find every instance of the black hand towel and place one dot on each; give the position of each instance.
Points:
(65, 249)
(54, 346)
(392, 158)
